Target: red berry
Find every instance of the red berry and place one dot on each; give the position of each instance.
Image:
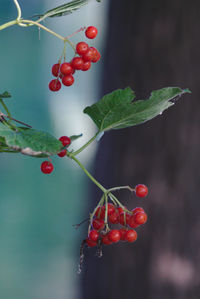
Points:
(131, 222)
(141, 190)
(77, 63)
(100, 213)
(93, 235)
(86, 66)
(46, 167)
(137, 209)
(114, 235)
(65, 140)
(122, 233)
(62, 153)
(110, 208)
(123, 220)
(96, 55)
(90, 243)
(55, 69)
(68, 80)
(89, 55)
(131, 235)
(114, 217)
(66, 68)
(98, 224)
(91, 32)
(54, 85)
(140, 218)
(105, 240)
(120, 210)
(82, 48)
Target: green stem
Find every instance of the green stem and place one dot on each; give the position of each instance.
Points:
(93, 213)
(8, 24)
(89, 175)
(18, 10)
(43, 27)
(48, 30)
(84, 146)
(118, 202)
(106, 212)
(121, 187)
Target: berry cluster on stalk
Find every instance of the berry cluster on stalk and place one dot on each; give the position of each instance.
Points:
(112, 222)
(47, 166)
(82, 61)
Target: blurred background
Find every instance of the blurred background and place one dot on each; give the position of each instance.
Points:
(146, 45)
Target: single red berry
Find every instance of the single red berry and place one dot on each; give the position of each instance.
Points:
(93, 235)
(137, 209)
(110, 208)
(141, 190)
(130, 235)
(98, 224)
(90, 243)
(122, 233)
(114, 217)
(77, 63)
(66, 68)
(105, 240)
(114, 235)
(140, 218)
(54, 85)
(65, 140)
(82, 48)
(120, 210)
(91, 32)
(131, 222)
(123, 220)
(46, 167)
(68, 80)
(100, 213)
(62, 153)
(89, 55)
(55, 69)
(96, 55)
(86, 66)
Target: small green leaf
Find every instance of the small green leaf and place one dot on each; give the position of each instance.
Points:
(74, 137)
(30, 142)
(117, 109)
(4, 95)
(64, 9)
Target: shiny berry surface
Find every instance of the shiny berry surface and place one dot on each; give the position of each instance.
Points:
(55, 85)
(82, 48)
(91, 32)
(65, 140)
(114, 235)
(67, 80)
(55, 69)
(62, 153)
(141, 190)
(46, 167)
(130, 235)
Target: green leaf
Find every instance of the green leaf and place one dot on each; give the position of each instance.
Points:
(117, 109)
(6, 94)
(74, 137)
(30, 142)
(64, 9)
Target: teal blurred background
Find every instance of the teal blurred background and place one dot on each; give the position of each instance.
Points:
(39, 247)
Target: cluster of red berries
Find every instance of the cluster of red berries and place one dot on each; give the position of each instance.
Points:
(47, 166)
(117, 215)
(87, 56)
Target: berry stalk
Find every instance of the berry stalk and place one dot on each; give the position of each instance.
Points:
(88, 174)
